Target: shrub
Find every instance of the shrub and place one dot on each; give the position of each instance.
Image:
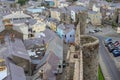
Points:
(109, 0)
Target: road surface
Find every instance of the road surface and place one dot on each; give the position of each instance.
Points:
(108, 61)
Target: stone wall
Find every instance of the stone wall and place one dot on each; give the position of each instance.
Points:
(90, 46)
(82, 20)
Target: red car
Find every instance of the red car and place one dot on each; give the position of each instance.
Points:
(116, 43)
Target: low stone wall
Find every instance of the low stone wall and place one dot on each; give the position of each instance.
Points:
(78, 70)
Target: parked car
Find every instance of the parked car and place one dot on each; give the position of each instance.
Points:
(91, 31)
(98, 30)
(118, 48)
(116, 43)
(111, 47)
(108, 41)
(116, 53)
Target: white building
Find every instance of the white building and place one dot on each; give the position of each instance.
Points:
(39, 27)
(17, 16)
(95, 8)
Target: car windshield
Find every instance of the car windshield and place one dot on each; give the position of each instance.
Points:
(108, 39)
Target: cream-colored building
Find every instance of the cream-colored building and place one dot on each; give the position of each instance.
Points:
(118, 29)
(64, 4)
(52, 24)
(95, 17)
(95, 8)
(55, 13)
(22, 28)
(39, 27)
(18, 15)
(56, 3)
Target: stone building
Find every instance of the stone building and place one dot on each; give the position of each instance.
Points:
(91, 3)
(95, 17)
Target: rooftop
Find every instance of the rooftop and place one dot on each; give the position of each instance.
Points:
(77, 8)
(57, 49)
(35, 9)
(18, 14)
(15, 48)
(3, 69)
(47, 36)
(66, 27)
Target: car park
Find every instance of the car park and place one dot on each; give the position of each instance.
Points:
(113, 46)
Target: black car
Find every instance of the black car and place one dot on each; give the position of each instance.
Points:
(111, 47)
(98, 30)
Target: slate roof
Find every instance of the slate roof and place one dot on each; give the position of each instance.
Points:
(5, 11)
(51, 66)
(14, 71)
(76, 8)
(16, 48)
(56, 47)
(49, 35)
(31, 21)
(53, 20)
(16, 15)
(66, 27)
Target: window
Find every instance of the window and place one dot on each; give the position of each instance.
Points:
(59, 66)
(65, 36)
(26, 72)
(30, 35)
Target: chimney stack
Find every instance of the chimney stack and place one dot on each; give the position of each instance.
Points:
(12, 36)
(2, 40)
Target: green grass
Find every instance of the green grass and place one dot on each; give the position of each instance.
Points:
(100, 74)
(109, 0)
